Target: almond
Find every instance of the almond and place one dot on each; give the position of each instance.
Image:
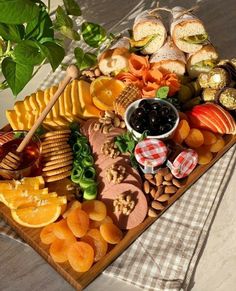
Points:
(159, 179)
(163, 198)
(167, 183)
(163, 171)
(178, 183)
(157, 205)
(170, 189)
(146, 187)
(168, 177)
(153, 192)
(160, 189)
(152, 212)
(152, 181)
(148, 176)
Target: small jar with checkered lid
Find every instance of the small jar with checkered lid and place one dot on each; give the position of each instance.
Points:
(150, 154)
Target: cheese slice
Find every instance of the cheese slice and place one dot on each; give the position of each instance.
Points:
(20, 110)
(49, 118)
(29, 112)
(12, 119)
(76, 106)
(57, 118)
(67, 103)
(40, 100)
(88, 108)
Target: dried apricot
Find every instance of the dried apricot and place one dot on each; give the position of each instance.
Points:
(99, 245)
(47, 235)
(95, 209)
(204, 155)
(96, 224)
(78, 222)
(71, 206)
(182, 131)
(59, 249)
(209, 137)
(195, 138)
(218, 145)
(111, 233)
(182, 115)
(81, 256)
(61, 230)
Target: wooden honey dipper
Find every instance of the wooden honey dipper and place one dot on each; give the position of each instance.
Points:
(12, 160)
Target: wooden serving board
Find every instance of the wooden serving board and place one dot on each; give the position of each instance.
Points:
(81, 280)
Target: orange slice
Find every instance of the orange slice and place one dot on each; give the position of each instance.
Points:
(36, 216)
(25, 183)
(104, 91)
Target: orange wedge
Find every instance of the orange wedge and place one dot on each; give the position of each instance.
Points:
(104, 91)
(25, 183)
(36, 216)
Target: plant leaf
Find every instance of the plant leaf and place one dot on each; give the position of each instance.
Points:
(69, 32)
(62, 19)
(162, 92)
(93, 34)
(28, 52)
(84, 60)
(40, 27)
(54, 53)
(18, 11)
(12, 32)
(72, 8)
(17, 75)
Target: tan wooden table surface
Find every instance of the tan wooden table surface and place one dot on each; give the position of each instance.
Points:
(21, 268)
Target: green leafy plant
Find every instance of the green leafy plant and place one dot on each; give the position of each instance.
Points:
(29, 38)
(162, 92)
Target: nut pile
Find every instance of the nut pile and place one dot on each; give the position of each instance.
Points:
(109, 148)
(115, 174)
(107, 122)
(91, 74)
(160, 187)
(124, 204)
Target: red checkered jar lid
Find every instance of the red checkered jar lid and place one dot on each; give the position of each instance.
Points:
(150, 152)
(183, 164)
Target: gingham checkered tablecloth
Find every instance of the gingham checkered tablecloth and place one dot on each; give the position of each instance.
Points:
(164, 256)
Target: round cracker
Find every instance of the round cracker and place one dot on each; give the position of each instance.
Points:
(52, 141)
(57, 171)
(57, 177)
(56, 132)
(53, 137)
(57, 165)
(58, 157)
(55, 149)
(57, 152)
(59, 161)
(53, 144)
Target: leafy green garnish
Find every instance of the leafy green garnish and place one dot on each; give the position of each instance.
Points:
(162, 92)
(12, 32)
(84, 60)
(195, 39)
(72, 8)
(93, 34)
(126, 143)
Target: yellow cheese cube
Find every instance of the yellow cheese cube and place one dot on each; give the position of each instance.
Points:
(40, 100)
(76, 106)
(20, 110)
(29, 112)
(57, 118)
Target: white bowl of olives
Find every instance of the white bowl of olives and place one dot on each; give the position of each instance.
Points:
(158, 117)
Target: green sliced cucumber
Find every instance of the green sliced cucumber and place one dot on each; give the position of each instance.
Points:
(90, 193)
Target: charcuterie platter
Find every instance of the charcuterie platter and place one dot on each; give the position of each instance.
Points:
(122, 143)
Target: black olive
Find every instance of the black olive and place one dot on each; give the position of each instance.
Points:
(139, 112)
(145, 105)
(166, 127)
(165, 111)
(139, 126)
(154, 119)
(156, 106)
(171, 118)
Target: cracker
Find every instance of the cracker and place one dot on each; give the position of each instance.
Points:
(55, 149)
(57, 153)
(53, 137)
(57, 177)
(59, 161)
(58, 157)
(57, 171)
(56, 140)
(56, 132)
(57, 165)
(53, 144)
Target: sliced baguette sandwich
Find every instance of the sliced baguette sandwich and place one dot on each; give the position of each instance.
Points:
(146, 26)
(202, 61)
(170, 58)
(112, 61)
(187, 31)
